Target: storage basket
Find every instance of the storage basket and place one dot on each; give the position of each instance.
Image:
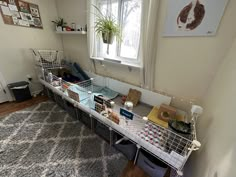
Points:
(85, 119)
(102, 130)
(70, 109)
(151, 165)
(127, 148)
(59, 100)
(50, 94)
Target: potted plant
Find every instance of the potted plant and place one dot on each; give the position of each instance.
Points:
(60, 23)
(107, 28)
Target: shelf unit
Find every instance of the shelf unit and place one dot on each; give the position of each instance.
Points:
(171, 148)
(72, 32)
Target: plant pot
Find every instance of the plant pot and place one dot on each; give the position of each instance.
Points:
(107, 38)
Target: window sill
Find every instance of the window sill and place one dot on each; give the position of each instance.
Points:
(117, 62)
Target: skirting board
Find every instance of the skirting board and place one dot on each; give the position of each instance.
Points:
(148, 97)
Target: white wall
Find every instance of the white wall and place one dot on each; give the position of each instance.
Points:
(185, 66)
(75, 46)
(217, 157)
(16, 61)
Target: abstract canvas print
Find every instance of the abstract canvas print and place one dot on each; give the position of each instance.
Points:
(194, 17)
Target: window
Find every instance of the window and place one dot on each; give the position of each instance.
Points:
(127, 14)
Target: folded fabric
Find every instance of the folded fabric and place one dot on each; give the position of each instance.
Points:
(76, 70)
(105, 91)
(80, 71)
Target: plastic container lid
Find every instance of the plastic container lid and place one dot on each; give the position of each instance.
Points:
(18, 84)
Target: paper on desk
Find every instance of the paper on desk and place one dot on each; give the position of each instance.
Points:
(6, 10)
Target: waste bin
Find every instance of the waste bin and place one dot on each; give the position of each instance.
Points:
(20, 90)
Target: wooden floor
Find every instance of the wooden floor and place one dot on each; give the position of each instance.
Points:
(132, 170)
(9, 107)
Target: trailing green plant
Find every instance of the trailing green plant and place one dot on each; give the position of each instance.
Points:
(106, 26)
(59, 22)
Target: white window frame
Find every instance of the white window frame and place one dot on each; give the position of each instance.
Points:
(124, 60)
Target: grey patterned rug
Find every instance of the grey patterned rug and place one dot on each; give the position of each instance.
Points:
(44, 140)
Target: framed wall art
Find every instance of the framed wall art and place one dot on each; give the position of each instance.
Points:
(194, 17)
(20, 13)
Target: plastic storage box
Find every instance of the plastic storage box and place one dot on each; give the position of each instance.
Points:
(151, 165)
(20, 90)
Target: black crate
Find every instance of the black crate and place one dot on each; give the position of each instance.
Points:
(78, 113)
(50, 94)
(85, 119)
(59, 101)
(102, 130)
(70, 109)
(127, 148)
(151, 165)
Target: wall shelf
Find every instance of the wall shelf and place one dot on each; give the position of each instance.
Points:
(71, 32)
